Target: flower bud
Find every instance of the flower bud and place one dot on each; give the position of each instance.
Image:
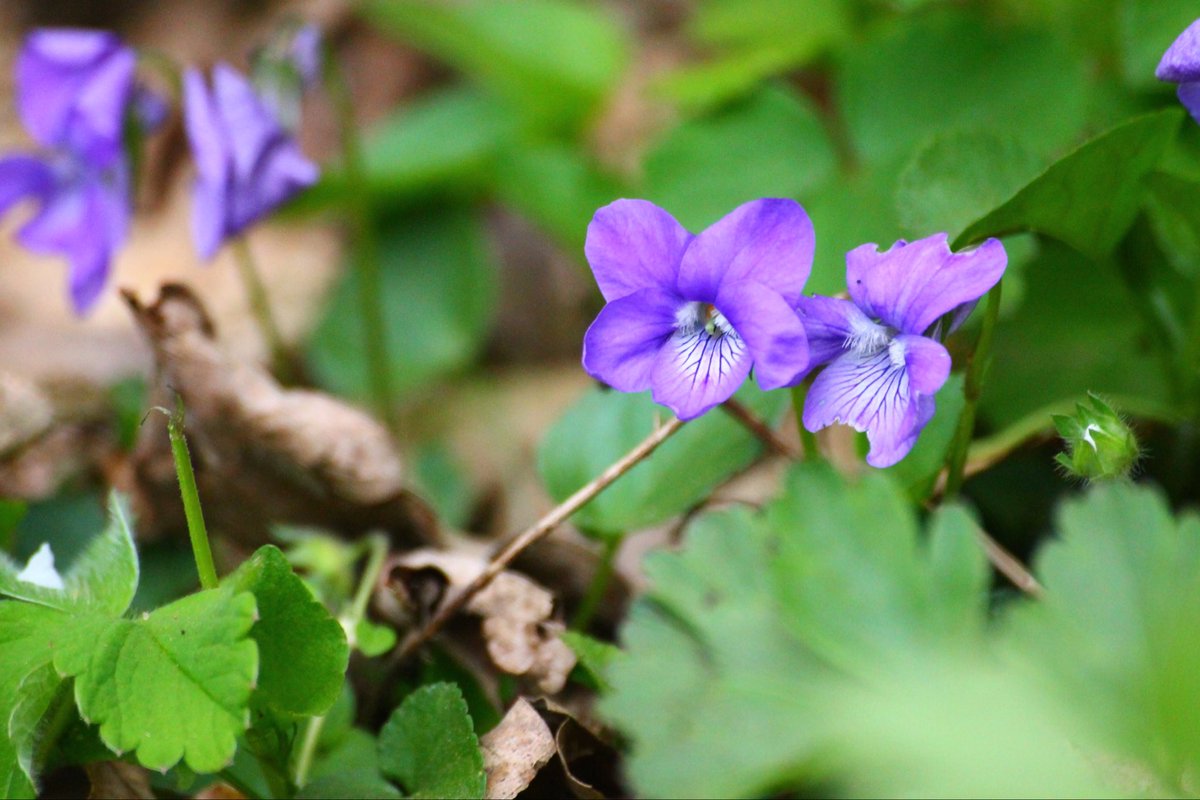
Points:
(1099, 444)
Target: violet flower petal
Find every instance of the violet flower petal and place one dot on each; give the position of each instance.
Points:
(771, 330)
(86, 221)
(1181, 62)
(830, 323)
(73, 87)
(22, 177)
(911, 285)
(633, 245)
(869, 393)
(695, 371)
(1189, 96)
(247, 165)
(927, 362)
(622, 344)
(769, 241)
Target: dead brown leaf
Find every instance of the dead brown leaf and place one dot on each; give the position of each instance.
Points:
(117, 779)
(518, 625)
(270, 454)
(515, 751)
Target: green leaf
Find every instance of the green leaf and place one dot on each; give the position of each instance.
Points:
(840, 564)
(439, 288)
(348, 786)
(604, 425)
(27, 636)
(553, 60)
(770, 145)
(429, 746)
(848, 211)
(594, 657)
(37, 692)
(1056, 345)
(440, 143)
(712, 689)
(1146, 31)
(103, 578)
(937, 727)
(755, 39)
(959, 176)
(910, 78)
(554, 185)
(302, 649)
(373, 640)
(1063, 201)
(1172, 205)
(173, 684)
(745, 630)
(1119, 625)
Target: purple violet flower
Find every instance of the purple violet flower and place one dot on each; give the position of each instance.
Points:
(688, 316)
(1181, 64)
(247, 164)
(73, 87)
(84, 214)
(885, 363)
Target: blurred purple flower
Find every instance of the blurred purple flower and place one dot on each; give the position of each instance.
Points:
(885, 362)
(84, 213)
(305, 54)
(1181, 64)
(73, 87)
(286, 68)
(247, 164)
(688, 316)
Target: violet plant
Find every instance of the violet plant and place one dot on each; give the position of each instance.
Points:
(844, 630)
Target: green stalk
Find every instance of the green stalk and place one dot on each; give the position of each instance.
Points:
(364, 251)
(191, 499)
(977, 369)
(808, 440)
(377, 547)
(256, 293)
(599, 584)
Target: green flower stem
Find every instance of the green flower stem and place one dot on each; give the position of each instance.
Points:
(256, 293)
(596, 590)
(1191, 357)
(808, 440)
(972, 390)
(191, 499)
(377, 547)
(365, 252)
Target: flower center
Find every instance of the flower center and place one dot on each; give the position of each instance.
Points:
(695, 316)
(867, 337)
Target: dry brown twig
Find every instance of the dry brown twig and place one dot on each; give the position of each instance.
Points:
(534, 533)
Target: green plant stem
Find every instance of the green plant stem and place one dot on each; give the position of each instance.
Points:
(808, 440)
(599, 584)
(377, 547)
(256, 293)
(972, 390)
(191, 499)
(1191, 357)
(365, 252)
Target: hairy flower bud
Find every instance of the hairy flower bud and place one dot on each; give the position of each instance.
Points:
(1099, 444)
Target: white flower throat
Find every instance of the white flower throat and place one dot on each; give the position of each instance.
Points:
(869, 338)
(696, 316)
